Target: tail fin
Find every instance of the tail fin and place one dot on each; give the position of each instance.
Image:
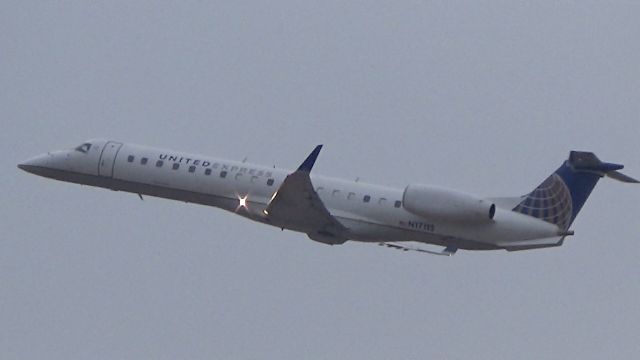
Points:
(560, 197)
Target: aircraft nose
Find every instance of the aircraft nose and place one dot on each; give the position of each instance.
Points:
(35, 163)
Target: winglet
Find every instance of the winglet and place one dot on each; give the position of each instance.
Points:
(310, 160)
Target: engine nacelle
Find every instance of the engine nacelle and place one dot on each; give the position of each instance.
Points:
(447, 205)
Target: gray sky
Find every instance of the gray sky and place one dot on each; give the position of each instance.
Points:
(486, 97)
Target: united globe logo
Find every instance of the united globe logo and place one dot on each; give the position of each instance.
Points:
(551, 202)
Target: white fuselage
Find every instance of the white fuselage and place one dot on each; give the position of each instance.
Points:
(371, 213)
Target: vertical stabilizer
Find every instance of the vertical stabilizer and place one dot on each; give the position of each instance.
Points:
(560, 197)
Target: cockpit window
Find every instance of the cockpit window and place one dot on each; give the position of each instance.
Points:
(84, 148)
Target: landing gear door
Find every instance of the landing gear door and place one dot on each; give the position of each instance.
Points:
(108, 158)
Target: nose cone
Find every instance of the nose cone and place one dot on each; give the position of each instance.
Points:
(36, 164)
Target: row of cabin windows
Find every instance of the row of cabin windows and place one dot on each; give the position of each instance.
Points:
(365, 198)
(223, 174)
(192, 169)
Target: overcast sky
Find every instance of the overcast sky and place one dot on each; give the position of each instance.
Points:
(485, 97)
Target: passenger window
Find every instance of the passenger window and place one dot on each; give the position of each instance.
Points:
(269, 182)
(159, 163)
(351, 195)
(223, 174)
(175, 166)
(192, 168)
(207, 171)
(143, 161)
(382, 201)
(238, 176)
(335, 192)
(398, 203)
(130, 158)
(366, 198)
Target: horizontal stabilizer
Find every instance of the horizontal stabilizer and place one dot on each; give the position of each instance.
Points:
(582, 160)
(617, 175)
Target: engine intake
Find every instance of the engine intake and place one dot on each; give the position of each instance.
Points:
(448, 205)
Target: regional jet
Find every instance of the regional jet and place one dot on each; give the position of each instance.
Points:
(332, 211)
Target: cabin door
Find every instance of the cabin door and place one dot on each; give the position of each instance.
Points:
(108, 158)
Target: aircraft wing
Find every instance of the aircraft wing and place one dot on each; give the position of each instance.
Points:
(296, 205)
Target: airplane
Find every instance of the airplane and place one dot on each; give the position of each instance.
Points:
(333, 211)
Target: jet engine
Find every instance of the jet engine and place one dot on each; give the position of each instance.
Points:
(447, 205)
